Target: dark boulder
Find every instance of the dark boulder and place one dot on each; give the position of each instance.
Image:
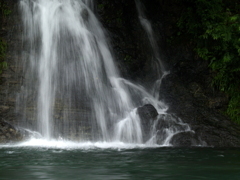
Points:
(186, 139)
(171, 130)
(147, 114)
(189, 97)
(9, 133)
(167, 121)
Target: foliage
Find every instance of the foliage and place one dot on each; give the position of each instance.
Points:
(214, 29)
(4, 9)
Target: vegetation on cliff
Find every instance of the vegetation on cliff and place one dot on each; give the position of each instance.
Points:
(213, 29)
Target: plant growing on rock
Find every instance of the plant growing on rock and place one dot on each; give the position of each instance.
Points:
(213, 28)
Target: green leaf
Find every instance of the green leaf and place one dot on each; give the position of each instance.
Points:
(234, 18)
(226, 57)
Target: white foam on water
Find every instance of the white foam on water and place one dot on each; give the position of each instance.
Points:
(70, 145)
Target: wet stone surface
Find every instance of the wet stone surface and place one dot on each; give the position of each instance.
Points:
(9, 133)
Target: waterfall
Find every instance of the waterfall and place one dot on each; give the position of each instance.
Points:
(72, 88)
(158, 64)
(169, 125)
(150, 33)
(71, 67)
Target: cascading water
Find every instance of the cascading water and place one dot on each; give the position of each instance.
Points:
(72, 88)
(169, 125)
(71, 66)
(148, 29)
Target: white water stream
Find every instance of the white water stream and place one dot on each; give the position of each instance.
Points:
(72, 83)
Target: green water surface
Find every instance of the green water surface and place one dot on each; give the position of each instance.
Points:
(31, 163)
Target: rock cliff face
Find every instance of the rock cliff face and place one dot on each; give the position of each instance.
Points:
(190, 99)
(11, 78)
(128, 39)
(9, 133)
(187, 89)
